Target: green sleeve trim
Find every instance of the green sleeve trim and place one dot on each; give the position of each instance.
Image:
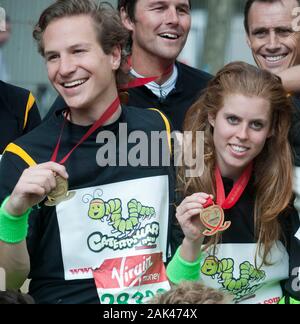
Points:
(181, 270)
(289, 300)
(13, 229)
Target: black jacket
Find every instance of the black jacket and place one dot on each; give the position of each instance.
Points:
(189, 86)
(18, 113)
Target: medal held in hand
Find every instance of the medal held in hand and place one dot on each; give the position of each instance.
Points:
(212, 216)
(213, 219)
(60, 193)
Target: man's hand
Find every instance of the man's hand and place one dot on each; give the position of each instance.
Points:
(33, 186)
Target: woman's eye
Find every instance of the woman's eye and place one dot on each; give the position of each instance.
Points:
(232, 120)
(257, 125)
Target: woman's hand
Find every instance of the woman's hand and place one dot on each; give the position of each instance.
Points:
(188, 216)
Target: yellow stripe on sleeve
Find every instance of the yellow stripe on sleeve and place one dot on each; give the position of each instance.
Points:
(13, 148)
(29, 105)
(168, 127)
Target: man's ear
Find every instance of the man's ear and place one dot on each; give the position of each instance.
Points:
(211, 120)
(126, 20)
(248, 41)
(116, 57)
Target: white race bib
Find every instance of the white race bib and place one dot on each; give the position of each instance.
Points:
(108, 222)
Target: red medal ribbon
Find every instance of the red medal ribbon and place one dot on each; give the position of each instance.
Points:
(102, 120)
(236, 192)
(138, 82)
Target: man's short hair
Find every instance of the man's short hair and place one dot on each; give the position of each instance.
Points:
(247, 8)
(108, 25)
(129, 7)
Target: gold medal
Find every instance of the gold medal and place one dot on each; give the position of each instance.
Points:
(60, 193)
(213, 219)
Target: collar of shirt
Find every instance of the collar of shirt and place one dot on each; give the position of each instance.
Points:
(161, 91)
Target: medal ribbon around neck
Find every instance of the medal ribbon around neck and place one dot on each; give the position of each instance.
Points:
(212, 216)
(138, 82)
(60, 193)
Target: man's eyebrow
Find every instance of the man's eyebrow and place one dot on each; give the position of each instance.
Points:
(85, 45)
(163, 3)
(266, 29)
(72, 47)
(284, 28)
(157, 3)
(49, 53)
(259, 30)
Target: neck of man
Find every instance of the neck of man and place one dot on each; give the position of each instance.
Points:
(151, 66)
(87, 116)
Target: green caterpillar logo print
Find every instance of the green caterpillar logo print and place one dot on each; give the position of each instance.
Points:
(224, 269)
(111, 211)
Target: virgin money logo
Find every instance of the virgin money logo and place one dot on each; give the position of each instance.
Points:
(130, 271)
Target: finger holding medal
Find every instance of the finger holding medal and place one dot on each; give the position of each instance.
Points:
(33, 186)
(187, 214)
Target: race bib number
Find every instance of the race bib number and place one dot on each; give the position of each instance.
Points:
(131, 279)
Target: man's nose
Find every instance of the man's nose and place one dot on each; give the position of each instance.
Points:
(67, 65)
(171, 16)
(273, 42)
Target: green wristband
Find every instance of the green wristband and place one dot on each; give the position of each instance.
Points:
(180, 270)
(290, 301)
(13, 229)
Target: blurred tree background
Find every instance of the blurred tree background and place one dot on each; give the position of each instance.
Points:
(220, 17)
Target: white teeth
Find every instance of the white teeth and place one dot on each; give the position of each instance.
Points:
(74, 83)
(171, 36)
(275, 58)
(239, 149)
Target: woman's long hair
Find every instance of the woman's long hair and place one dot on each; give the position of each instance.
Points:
(272, 167)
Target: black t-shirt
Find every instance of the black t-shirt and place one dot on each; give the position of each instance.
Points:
(18, 113)
(64, 242)
(238, 271)
(231, 266)
(190, 83)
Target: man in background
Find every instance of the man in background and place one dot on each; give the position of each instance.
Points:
(159, 30)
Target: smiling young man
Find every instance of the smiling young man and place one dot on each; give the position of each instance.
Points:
(83, 244)
(159, 29)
